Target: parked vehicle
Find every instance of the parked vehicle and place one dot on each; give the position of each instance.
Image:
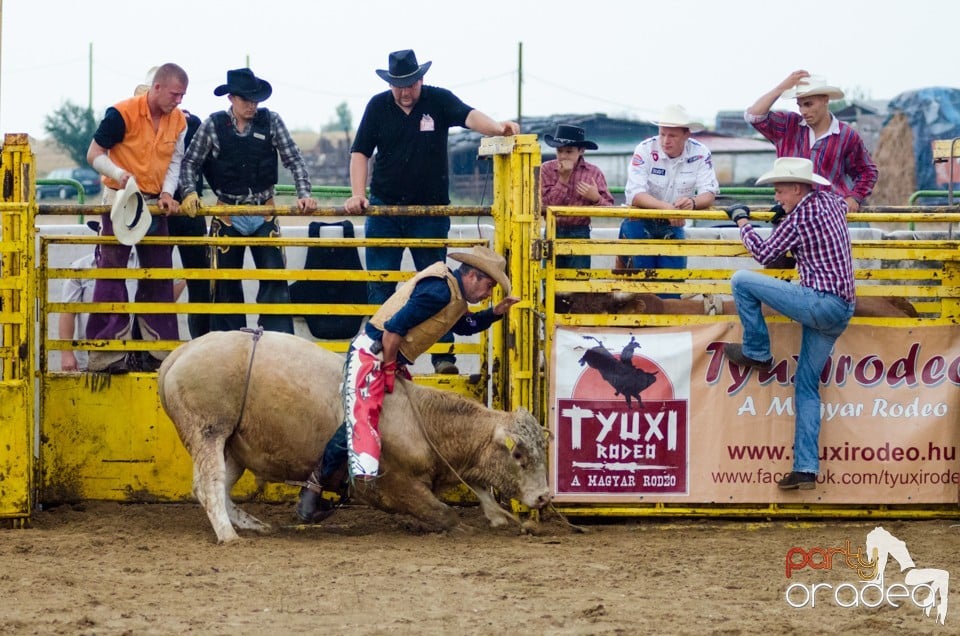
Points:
(87, 177)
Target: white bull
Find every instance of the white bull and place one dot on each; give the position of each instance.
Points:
(293, 407)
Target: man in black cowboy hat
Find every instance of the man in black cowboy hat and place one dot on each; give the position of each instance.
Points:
(569, 180)
(237, 150)
(407, 127)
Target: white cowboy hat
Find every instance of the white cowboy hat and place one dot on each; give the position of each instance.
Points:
(792, 170)
(488, 262)
(676, 116)
(130, 216)
(813, 85)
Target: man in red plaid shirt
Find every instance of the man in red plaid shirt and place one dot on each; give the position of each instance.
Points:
(836, 150)
(814, 228)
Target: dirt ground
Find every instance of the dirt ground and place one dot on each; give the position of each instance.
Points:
(108, 568)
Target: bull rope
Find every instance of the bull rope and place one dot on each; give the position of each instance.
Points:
(256, 333)
(419, 418)
(423, 429)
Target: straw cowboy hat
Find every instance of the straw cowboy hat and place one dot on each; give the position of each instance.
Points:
(792, 170)
(569, 136)
(402, 69)
(488, 262)
(130, 216)
(243, 83)
(813, 85)
(676, 116)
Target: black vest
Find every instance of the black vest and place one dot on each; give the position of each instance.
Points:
(245, 164)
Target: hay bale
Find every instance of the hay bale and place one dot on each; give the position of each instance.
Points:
(896, 162)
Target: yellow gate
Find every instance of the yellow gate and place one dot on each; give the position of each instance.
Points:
(16, 321)
(109, 439)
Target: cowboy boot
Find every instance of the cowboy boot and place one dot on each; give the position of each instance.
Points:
(312, 507)
(322, 495)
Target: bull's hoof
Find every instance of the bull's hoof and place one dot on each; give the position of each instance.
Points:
(227, 538)
(531, 527)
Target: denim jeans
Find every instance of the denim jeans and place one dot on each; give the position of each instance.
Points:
(231, 291)
(390, 258)
(823, 318)
(649, 229)
(571, 232)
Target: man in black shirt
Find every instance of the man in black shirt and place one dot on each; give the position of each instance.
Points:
(407, 126)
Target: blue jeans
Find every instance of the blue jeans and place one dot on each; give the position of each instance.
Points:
(648, 229)
(573, 232)
(823, 317)
(389, 258)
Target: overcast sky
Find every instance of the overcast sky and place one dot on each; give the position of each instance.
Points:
(623, 58)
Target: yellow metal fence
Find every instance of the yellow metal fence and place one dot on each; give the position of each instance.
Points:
(916, 266)
(107, 438)
(17, 323)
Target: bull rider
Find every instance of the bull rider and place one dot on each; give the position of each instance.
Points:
(412, 320)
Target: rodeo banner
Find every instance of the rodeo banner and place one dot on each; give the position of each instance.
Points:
(660, 414)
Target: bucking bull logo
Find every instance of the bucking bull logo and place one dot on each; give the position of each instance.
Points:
(626, 379)
(925, 588)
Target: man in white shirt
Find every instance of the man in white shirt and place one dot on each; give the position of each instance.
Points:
(671, 171)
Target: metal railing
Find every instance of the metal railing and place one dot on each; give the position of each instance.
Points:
(81, 193)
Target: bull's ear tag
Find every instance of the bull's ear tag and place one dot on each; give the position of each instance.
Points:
(509, 443)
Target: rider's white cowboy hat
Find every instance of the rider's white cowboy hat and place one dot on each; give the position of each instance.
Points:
(488, 262)
(130, 216)
(792, 170)
(676, 116)
(813, 85)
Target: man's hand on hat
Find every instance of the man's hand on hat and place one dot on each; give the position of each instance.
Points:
(793, 79)
(308, 204)
(356, 204)
(738, 211)
(168, 204)
(191, 204)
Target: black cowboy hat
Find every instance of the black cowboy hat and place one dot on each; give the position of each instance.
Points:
(403, 69)
(243, 83)
(567, 135)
